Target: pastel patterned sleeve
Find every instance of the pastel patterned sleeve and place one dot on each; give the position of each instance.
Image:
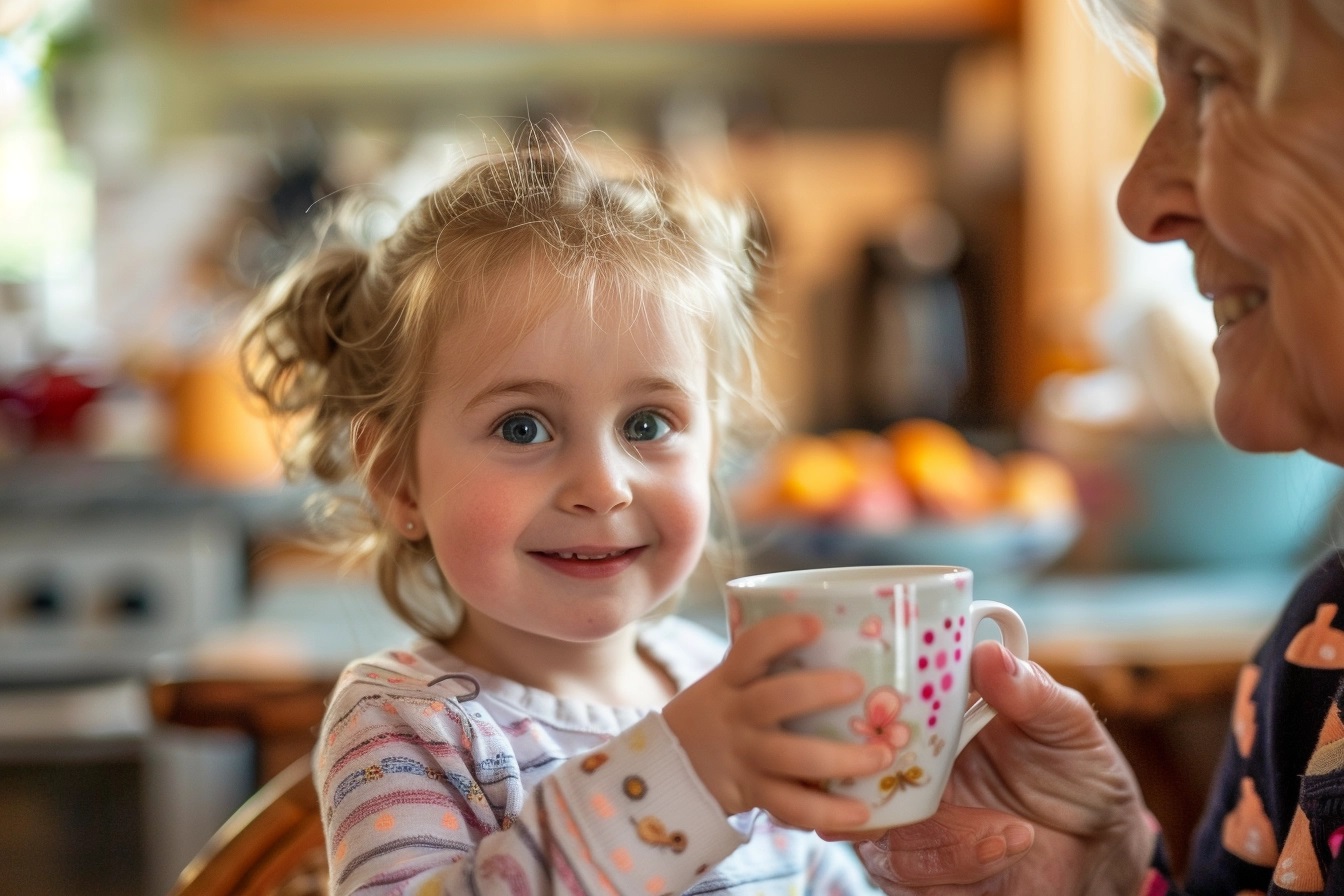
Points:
(422, 794)
(647, 823)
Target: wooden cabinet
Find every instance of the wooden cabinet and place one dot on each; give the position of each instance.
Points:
(594, 19)
(284, 20)
(1084, 116)
(1069, 111)
(789, 18)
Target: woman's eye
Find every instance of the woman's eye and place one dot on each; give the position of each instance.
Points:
(1207, 74)
(646, 426)
(523, 429)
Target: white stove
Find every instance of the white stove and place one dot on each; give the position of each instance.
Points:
(96, 596)
(100, 573)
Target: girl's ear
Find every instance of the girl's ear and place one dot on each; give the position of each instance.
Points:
(388, 481)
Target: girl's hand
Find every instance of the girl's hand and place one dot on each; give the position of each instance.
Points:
(1040, 801)
(730, 725)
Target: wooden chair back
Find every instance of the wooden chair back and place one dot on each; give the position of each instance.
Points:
(272, 846)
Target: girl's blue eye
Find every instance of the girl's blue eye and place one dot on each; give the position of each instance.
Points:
(523, 429)
(646, 426)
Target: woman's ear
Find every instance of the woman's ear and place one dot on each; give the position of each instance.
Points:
(389, 482)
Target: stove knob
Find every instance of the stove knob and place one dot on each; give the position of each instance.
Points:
(42, 600)
(133, 603)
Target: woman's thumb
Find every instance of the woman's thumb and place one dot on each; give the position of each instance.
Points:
(1023, 693)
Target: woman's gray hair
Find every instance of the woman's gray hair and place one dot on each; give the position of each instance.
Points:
(1261, 29)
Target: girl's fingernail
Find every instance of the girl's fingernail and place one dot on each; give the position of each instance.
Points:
(1010, 663)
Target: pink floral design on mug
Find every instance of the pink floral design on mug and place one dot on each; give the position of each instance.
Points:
(908, 630)
(881, 719)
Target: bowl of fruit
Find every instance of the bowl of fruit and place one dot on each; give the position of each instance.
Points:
(918, 492)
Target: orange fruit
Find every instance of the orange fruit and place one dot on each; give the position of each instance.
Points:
(815, 475)
(951, 479)
(1037, 485)
(920, 445)
(869, 449)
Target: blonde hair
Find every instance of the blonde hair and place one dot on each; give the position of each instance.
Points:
(1263, 33)
(338, 346)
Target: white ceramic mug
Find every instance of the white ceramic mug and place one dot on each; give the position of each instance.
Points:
(908, 630)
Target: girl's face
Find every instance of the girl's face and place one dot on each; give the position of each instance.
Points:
(1258, 195)
(565, 486)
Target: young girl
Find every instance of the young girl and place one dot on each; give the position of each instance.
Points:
(532, 379)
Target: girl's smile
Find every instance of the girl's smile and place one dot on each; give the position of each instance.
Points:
(589, 563)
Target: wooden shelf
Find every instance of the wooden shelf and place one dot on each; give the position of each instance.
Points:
(835, 19)
(593, 19)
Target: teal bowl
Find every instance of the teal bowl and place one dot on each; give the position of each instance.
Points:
(1197, 501)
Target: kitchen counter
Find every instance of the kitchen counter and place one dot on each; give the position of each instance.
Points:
(69, 484)
(1121, 638)
(1150, 650)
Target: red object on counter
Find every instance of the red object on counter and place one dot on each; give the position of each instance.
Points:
(43, 404)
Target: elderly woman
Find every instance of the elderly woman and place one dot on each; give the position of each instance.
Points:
(1245, 164)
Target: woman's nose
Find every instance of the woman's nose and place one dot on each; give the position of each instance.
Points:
(598, 480)
(1157, 200)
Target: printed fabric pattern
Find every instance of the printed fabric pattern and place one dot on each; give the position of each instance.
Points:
(516, 792)
(1274, 822)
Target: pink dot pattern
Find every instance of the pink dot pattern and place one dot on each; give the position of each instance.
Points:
(941, 649)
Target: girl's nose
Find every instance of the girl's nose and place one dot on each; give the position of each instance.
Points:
(1157, 200)
(598, 480)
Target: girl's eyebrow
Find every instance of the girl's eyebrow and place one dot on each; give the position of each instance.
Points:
(515, 388)
(658, 384)
(554, 391)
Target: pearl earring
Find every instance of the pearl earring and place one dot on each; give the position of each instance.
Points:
(410, 527)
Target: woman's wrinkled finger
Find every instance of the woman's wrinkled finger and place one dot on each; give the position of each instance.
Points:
(1027, 696)
(959, 846)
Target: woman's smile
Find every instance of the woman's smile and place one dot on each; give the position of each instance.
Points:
(1231, 305)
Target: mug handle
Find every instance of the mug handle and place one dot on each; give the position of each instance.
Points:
(979, 713)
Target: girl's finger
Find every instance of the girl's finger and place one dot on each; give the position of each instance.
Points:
(785, 755)
(786, 695)
(754, 648)
(798, 805)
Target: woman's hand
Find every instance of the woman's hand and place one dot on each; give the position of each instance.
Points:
(730, 725)
(1040, 801)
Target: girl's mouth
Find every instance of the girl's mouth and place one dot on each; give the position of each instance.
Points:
(589, 563)
(1231, 306)
(575, 555)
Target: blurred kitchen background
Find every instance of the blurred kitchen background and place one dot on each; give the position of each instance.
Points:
(937, 177)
